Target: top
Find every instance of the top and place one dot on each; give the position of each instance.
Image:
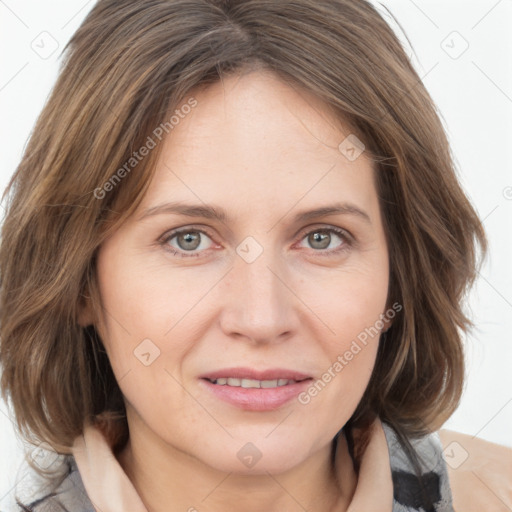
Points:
(386, 482)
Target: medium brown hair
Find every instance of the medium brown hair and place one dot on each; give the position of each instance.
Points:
(126, 68)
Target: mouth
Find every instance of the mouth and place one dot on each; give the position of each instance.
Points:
(253, 383)
(251, 390)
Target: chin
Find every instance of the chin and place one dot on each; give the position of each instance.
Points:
(257, 457)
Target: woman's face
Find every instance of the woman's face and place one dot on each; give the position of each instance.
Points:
(268, 288)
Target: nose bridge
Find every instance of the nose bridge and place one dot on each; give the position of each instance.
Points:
(259, 306)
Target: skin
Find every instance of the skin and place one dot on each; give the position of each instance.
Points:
(263, 151)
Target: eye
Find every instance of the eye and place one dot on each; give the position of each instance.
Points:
(321, 238)
(192, 242)
(187, 240)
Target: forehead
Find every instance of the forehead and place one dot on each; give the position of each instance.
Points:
(253, 140)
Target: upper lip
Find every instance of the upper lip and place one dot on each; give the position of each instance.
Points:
(250, 373)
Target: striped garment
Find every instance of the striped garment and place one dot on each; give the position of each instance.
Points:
(71, 495)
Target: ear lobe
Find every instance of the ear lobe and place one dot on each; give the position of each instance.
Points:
(387, 325)
(85, 314)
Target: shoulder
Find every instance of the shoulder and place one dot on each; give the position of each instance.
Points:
(480, 472)
(70, 495)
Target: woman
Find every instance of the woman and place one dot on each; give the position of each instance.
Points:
(233, 259)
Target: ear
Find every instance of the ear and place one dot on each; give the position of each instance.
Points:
(85, 313)
(387, 324)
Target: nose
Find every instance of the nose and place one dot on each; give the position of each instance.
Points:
(259, 304)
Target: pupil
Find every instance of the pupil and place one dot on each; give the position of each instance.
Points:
(321, 237)
(189, 239)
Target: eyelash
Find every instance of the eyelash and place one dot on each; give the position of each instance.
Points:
(347, 239)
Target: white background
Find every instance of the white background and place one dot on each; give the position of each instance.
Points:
(474, 96)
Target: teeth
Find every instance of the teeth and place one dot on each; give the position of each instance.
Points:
(251, 383)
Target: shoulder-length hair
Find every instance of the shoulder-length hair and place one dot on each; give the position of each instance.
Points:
(126, 70)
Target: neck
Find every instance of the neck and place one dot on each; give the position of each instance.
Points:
(168, 479)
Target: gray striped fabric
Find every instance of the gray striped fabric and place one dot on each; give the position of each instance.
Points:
(72, 497)
(434, 471)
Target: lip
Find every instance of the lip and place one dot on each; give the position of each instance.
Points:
(256, 399)
(251, 373)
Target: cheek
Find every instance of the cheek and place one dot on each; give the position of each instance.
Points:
(144, 323)
(133, 296)
(352, 306)
(144, 300)
(349, 358)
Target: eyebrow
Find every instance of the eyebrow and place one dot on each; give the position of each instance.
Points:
(217, 213)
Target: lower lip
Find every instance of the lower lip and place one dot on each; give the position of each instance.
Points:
(257, 399)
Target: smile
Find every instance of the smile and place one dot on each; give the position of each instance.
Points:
(254, 395)
(252, 383)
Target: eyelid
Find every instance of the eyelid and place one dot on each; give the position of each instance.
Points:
(348, 239)
(326, 227)
(349, 242)
(168, 235)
